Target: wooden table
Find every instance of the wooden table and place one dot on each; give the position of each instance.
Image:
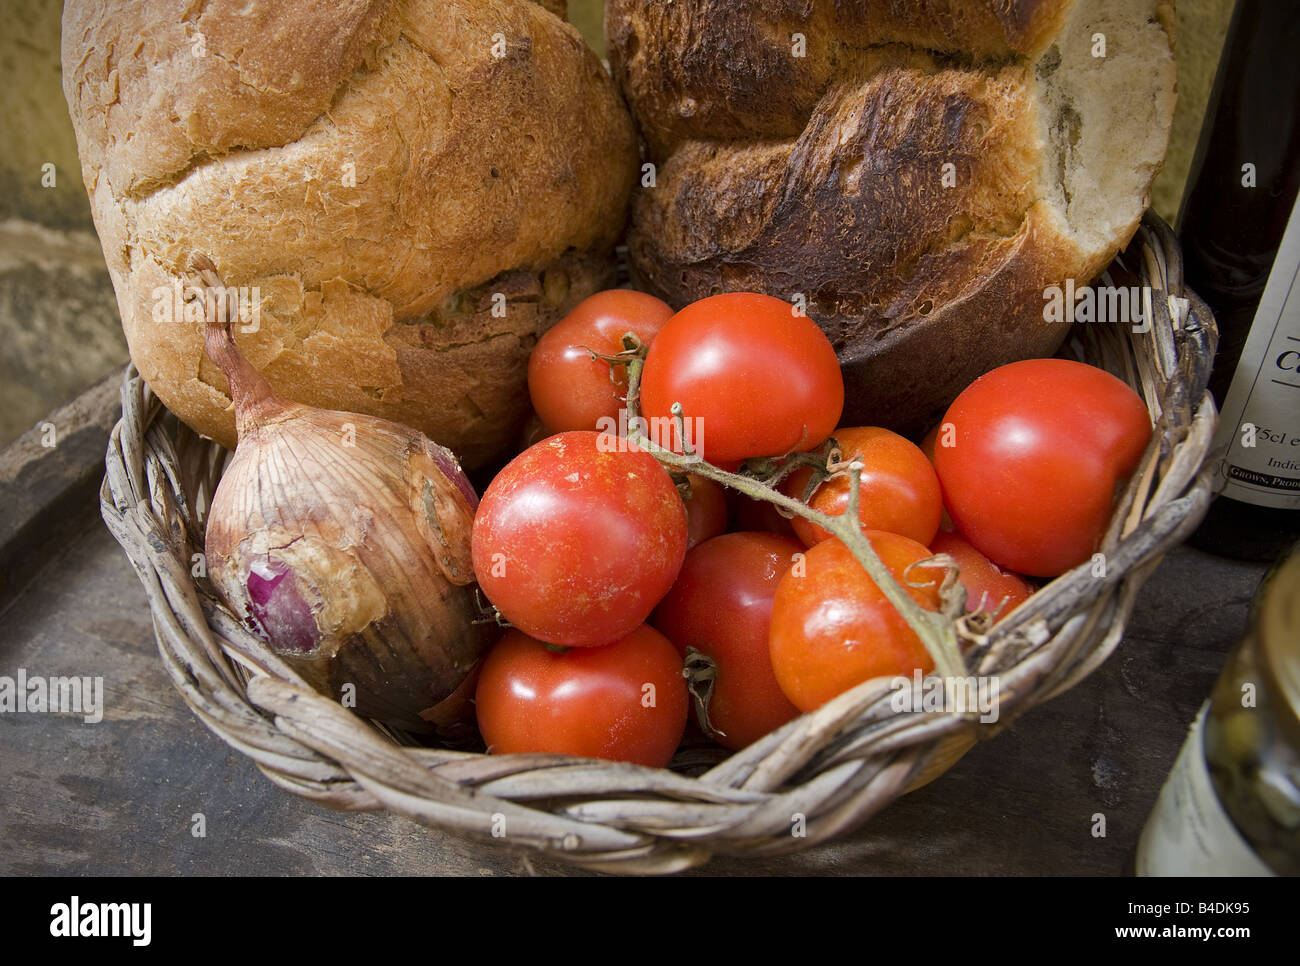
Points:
(120, 796)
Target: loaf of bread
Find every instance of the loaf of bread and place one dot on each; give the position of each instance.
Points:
(917, 173)
(412, 190)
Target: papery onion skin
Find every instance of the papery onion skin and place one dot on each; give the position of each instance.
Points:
(343, 540)
(279, 609)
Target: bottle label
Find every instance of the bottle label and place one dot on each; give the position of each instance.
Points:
(1189, 833)
(1259, 427)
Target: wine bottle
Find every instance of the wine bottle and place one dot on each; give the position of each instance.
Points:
(1240, 232)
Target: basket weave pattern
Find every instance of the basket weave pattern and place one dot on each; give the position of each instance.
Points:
(835, 767)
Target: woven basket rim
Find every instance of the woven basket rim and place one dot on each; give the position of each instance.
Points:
(835, 767)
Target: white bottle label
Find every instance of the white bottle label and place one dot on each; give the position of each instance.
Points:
(1188, 832)
(1260, 422)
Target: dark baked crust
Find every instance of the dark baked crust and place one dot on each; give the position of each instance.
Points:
(862, 186)
(723, 69)
(824, 176)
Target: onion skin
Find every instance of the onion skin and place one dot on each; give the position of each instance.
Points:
(343, 540)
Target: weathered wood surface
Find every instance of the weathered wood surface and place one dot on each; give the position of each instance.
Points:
(120, 796)
(49, 478)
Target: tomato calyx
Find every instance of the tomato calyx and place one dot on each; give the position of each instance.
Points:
(771, 471)
(701, 673)
(952, 593)
(975, 626)
(487, 611)
(972, 627)
(633, 348)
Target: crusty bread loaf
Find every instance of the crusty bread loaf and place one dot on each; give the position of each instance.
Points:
(384, 172)
(920, 172)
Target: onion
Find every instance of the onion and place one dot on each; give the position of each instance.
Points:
(343, 541)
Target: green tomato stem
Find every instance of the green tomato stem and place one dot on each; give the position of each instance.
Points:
(937, 632)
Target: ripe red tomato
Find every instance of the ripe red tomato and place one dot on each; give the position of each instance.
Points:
(899, 493)
(753, 378)
(833, 628)
(988, 586)
(706, 510)
(758, 515)
(534, 432)
(721, 605)
(928, 442)
(625, 701)
(1038, 450)
(571, 390)
(575, 542)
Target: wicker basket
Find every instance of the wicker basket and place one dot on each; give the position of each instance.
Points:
(835, 767)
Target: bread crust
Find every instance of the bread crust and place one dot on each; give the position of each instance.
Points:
(899, 179)
(378, 169)
(724, 69)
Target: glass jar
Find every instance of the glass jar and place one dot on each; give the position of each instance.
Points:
(1231, 805)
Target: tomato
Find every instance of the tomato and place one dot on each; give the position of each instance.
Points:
(833, 628)
(929, 441)
(753, 378)
(721, 605)
(899, 492)
(706, 510)
(1038, 449)
(534, 432)
(625, 701)
(750, 515)
(571, 390)
(988, 586)
(575, 541)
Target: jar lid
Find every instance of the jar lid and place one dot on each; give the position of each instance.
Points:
(1279, 637)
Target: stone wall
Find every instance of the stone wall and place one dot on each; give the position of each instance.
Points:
(59, 325)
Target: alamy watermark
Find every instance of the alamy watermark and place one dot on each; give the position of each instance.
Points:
(960, 694)
(36, 694)
(1117, 304)
(678, 433)
(76, 919)
(175, 303)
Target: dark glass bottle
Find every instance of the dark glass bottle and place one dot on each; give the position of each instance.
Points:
(1242, 259)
